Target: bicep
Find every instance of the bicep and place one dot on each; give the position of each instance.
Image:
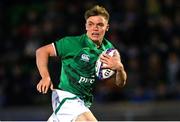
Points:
(48, 49)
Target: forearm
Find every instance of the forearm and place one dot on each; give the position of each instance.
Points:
(121, 77)
(42, 63)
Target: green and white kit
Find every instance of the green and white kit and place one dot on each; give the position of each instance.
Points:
(78, 55)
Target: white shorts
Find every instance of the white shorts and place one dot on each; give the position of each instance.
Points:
(66, 106)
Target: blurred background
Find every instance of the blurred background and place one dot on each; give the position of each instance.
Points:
(146, 33)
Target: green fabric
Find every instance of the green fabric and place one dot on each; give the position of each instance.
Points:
(79, 55)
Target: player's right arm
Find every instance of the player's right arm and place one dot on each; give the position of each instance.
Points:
(42, 57)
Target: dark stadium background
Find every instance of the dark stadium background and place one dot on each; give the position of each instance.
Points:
(146, 33)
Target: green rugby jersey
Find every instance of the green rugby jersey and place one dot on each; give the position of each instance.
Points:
(79, 55)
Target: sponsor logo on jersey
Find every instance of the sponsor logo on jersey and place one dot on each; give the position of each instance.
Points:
(86, 80)
(85, 57)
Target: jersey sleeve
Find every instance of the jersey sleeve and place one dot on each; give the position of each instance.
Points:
(65, 46)
(59, 47)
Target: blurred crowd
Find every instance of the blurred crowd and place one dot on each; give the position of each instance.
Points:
(146, 33)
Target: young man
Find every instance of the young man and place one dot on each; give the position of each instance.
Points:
(72, 99)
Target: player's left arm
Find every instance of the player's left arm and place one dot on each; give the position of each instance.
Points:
(115, 63)
(121, 76)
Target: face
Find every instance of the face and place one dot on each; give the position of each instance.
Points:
(96, 26)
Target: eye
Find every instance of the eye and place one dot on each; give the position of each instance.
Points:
(89, 24)
(100, 25)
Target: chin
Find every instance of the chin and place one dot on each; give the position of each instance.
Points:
(95, 39)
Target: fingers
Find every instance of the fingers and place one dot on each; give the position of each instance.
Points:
(104, 59)
(45, 89)
(39, 87)
(52, 88)
(42, 88)
(104, 55)
(115, 53)
(110, 61)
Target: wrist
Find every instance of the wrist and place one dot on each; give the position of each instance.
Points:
(47, 78)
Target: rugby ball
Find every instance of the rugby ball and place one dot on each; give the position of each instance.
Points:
(104, 73)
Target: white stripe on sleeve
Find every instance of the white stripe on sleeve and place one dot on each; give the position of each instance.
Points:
(54, 49)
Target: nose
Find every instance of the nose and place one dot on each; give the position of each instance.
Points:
(95, 27)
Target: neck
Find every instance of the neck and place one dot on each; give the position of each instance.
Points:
(98, 44)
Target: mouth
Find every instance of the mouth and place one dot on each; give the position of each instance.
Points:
(95, 34)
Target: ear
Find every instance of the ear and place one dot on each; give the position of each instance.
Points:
(107, 28)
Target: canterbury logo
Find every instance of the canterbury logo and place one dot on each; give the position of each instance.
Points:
(85, 57)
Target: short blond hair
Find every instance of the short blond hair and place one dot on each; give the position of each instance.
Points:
(95, 11)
